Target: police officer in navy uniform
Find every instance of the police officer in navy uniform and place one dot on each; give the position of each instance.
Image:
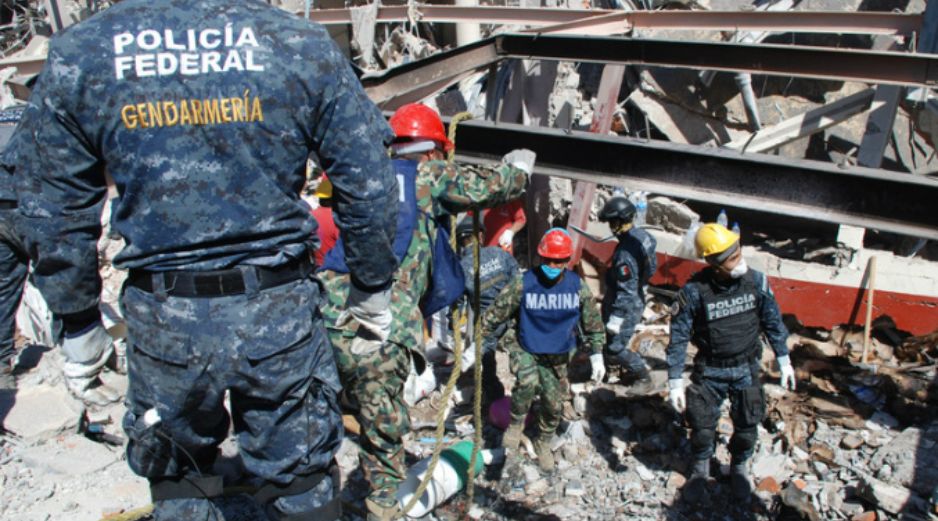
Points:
(14, 263)
(724, 309)
(633, 265)
(204, 115)
(497, 268)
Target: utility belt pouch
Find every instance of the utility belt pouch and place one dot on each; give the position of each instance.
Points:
(205, 487)
(702, 407)
(750, 407)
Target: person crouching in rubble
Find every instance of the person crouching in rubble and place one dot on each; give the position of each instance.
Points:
(374, 371)
(724, 309)
(633, 264)
(550, 303)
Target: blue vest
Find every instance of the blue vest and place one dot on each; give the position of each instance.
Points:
(549, 316)
(406, 219)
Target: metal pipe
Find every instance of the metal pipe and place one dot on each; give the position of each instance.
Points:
(744, 82)
(467, 32)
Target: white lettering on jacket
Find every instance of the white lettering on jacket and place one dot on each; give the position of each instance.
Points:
(731, 306)
(542, 302)
(151, 53)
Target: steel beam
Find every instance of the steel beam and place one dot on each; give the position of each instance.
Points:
(417, 80)
(826, 22)
(859, 196)
(456, 14)
(596, 21)
(806, 124)
(788, 60)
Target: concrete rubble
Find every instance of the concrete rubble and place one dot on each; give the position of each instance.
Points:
(857, 441)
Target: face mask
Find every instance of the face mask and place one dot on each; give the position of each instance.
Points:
(740, 269)
(551, 273)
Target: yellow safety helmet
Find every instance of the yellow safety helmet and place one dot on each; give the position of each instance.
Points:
(324, 190)
(714, 239)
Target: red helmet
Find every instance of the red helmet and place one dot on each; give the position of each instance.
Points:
(418, 121)
(556, 244)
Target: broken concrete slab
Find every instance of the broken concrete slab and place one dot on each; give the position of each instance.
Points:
(891, 498)
(912, 458)
(72, 455)
(42, 410)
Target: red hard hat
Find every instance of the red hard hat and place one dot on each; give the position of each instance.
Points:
(418, 121)
(556, 244)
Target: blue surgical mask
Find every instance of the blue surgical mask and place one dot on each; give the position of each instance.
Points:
(551, 273)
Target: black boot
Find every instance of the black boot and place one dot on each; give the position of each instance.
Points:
(642, 383)
(695, 492)
(740, 485)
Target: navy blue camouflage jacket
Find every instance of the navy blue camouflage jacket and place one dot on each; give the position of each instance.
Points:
(204, 114)
(633, 264)
(689, 305)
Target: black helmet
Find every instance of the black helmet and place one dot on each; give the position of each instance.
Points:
(464, 228)
(618, 208)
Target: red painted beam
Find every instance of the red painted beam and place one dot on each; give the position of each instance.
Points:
(814, 304)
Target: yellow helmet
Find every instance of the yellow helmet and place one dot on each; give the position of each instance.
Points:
(713, 239)
(324, 190)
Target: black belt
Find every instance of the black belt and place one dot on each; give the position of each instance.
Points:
(220, 283)
(744, 358)
(7, 205)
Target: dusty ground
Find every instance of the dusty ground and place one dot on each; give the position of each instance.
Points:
(847, 437)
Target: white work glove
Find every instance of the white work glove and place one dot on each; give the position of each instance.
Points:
(504, 240)
(676, 394)
(522, 159)
(614, 325)
(372, 311)
(598, 365)
(788, 372)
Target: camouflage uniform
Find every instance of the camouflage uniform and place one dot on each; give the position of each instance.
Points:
(496, 269)
(375, 381)
(204, 114)
(541, 376)
(14, 264)
(633, 265)
(715, 328)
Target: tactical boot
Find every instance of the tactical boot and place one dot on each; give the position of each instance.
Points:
(512, 438)
(739, 481)
(642, 384)
(695, 492)
(381, 510)
(545, 458)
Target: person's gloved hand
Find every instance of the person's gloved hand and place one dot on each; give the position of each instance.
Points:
(372, 311)
(598, 366)
(87, 347)
(504, 240)
(788, 372)
(676, 394)
(614, 325)
(522, 159)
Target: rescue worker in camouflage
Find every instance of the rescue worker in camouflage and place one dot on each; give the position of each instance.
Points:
(14, 263)
(374, 373)
(633, 264)
(724, 309)
(496, 269)
(550, 305)
(204, 115)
